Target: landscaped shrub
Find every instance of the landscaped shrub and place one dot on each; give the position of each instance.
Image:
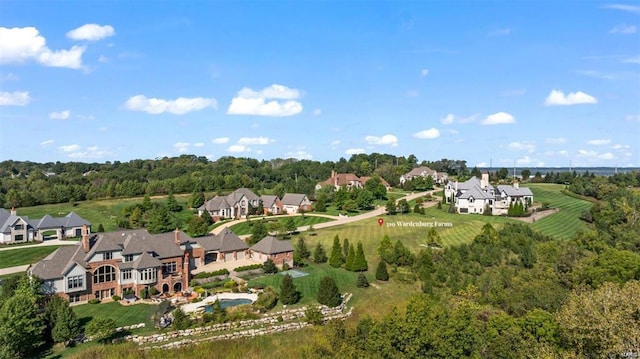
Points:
(362, 281)
(246, 268)
(220, 272)
(230, 284)
(313, 315)
(94, 301)
(116, 298)
(269, 267)
(328, 293)
(153, 291)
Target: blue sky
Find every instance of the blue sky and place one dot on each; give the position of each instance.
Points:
(531, 83)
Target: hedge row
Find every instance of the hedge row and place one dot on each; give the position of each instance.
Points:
(201, 275)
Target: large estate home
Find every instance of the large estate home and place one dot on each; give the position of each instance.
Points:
(21, 229)
(424, 172)
(295, 203)
(107, 264)
(271, 204)
(234, 205)
(279, 251)
(477, 195)
(348, 180)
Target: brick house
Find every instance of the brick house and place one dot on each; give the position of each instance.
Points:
(270, 247)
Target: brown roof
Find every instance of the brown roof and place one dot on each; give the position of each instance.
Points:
(272, 245)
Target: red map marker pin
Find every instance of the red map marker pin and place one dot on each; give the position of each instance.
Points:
(380, 221)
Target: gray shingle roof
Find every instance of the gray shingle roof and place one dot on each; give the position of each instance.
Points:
(73, 220)
(420, 171)
(58, 262)
(229, 242)
(47, 222)
(293, 199)
(272, 245)
(515, 192)
(268, 200)
(215, 204)
(146, 261)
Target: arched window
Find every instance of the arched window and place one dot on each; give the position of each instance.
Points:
(104, 274)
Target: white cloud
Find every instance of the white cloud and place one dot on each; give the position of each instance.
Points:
(89, 152)
(255, 141)
(526, 160)
(558, 98)
(623, 29)
(599, 142)
(519, 146)
(220, 140)
(499, 118)
(238, 149)
(585, 153)
(447, 120)
(621, 147)
(62, 115)
(606, 156)
(317, 112)
(623, 7)
(47, 142)
(181, 147)
(481, 164)
(19, 44)
(335, 143)
(354, 151)
(91, 32)
(198, 144)
(632, 60)
(300, 155)
(424, 73)
(251, 102)
(179, 106)
(427, 134)
(633, 118)
(9, 77)
(384, 140)
(69, 148)
(563, 153)
(500, 32)
(16, 98)
(556, 140)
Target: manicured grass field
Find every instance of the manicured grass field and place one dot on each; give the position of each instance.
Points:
(308, 285)
(99, 211)
(122, 315)
(22, 256)
(245, 227)
(566, 223)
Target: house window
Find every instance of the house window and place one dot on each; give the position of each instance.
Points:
(104, 274)
(74, 298)
(19, 237)
(126, 274)
(148, 274)
(76, 281)
(128, 257)
(106, 256)
(170, 267)
(18, 227)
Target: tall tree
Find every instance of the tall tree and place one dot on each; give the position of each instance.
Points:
(207, 217)
(319, 254)
(381, 271)
(391, 206)
(345, 248)
(328, 292)
(360, 262)
(385, 250)
(66, 325)
(288, 292)
(336, 259)
(21, 326)
(301, 248)
(349, 262)
(196, 199)
(258, 231)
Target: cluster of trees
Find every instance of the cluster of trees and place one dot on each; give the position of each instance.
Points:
(345, 255)
(155, 217)
(353, 199)
(31, 321)
(24, 184)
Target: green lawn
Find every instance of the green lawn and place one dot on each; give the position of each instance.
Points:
(565, 223)
(245, 227)
(99, 211)
(122, 315)
(22, 256)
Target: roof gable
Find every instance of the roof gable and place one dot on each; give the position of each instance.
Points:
(293, 199)
(272, 245)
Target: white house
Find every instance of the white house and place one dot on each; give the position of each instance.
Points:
(294, 202)
(234, 205)
(478, 195)
(20, 229)
(424, 172)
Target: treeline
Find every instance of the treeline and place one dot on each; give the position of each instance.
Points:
(26, 183)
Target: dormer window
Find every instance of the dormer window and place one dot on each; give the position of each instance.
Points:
(107, 256)
(128, 258)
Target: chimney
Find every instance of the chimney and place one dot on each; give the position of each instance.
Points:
(85, 238)
(516, 184)
(484, 182)
(176, 237)
(13, 211)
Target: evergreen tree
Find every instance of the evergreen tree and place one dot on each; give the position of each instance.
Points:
(196, 199)
(171, 204)
(362, 281)
(328, 293)
(360, 262)
(381, 271)
(433, 237)
(260, 209)
(207, 217)
(197, 226)
(269, 267)
(385, 250)
(181, 320)
(290, 225)
(288, 291)
(335, 259)
(416, 208)
(403, 206)
(100, 228)
(402, 255)
(258, 231)
(319, 254)
(301, 249)
(21, 326)
(345, 248)
(391, 206)
(160, 221)
(101, 328)
(66, 325)
(321, 204)
(146, 203)
(350, 260)
(527, 258)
